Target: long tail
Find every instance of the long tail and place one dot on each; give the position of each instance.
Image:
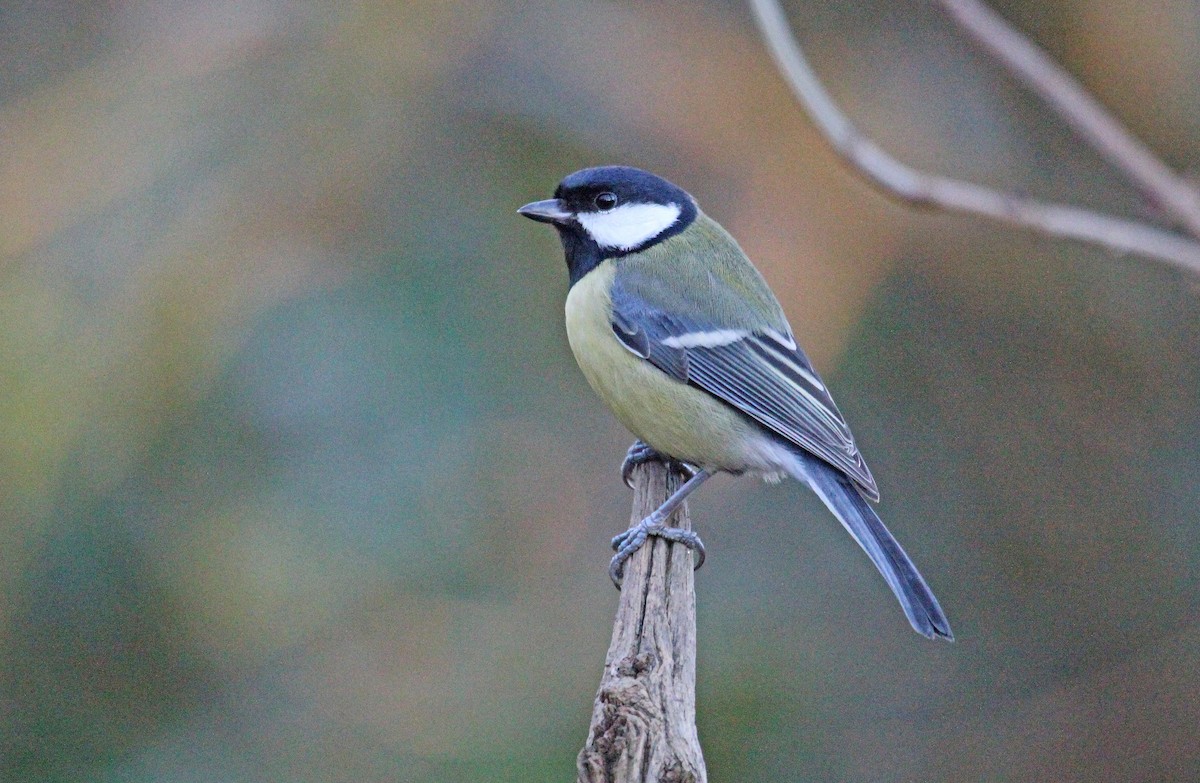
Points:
(861, 521)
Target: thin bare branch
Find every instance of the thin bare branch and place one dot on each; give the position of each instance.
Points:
(909, 184)
(1094, 123)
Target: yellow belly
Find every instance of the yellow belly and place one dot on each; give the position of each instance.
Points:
(674, 418)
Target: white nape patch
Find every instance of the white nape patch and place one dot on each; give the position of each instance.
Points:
(713, 339)
(629, 225)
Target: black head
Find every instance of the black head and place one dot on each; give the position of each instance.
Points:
(612, 211)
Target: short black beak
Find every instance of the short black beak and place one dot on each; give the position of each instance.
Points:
(552, 210)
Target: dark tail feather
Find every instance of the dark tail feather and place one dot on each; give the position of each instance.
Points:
(857, 516)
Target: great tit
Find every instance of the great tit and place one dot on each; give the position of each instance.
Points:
(681, 337)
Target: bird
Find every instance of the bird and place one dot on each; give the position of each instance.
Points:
(681, 337)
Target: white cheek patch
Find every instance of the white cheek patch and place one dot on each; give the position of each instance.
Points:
(629, 225)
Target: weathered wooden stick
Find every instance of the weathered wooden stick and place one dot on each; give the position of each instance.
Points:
(644, 719)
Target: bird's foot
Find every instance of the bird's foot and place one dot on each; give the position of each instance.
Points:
(632, 540)
(640, 453)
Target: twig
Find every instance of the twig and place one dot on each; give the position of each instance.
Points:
(909, 184)
(644, 719)
(1084, 113)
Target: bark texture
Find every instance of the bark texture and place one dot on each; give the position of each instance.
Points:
(644, 719)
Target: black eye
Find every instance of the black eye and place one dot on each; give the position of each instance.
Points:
(606, 201)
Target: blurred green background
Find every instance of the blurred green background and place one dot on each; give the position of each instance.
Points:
(300, 482)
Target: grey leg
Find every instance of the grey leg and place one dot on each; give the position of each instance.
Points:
(655, 525)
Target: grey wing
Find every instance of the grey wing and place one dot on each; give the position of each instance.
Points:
(762, 373)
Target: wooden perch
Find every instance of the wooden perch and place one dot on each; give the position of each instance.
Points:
(644, 719)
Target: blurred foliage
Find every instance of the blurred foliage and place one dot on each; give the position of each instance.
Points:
(300, 482)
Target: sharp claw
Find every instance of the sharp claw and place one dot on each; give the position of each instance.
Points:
(640, 453)
(616, 572)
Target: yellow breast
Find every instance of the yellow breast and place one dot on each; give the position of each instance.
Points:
(673, 417)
